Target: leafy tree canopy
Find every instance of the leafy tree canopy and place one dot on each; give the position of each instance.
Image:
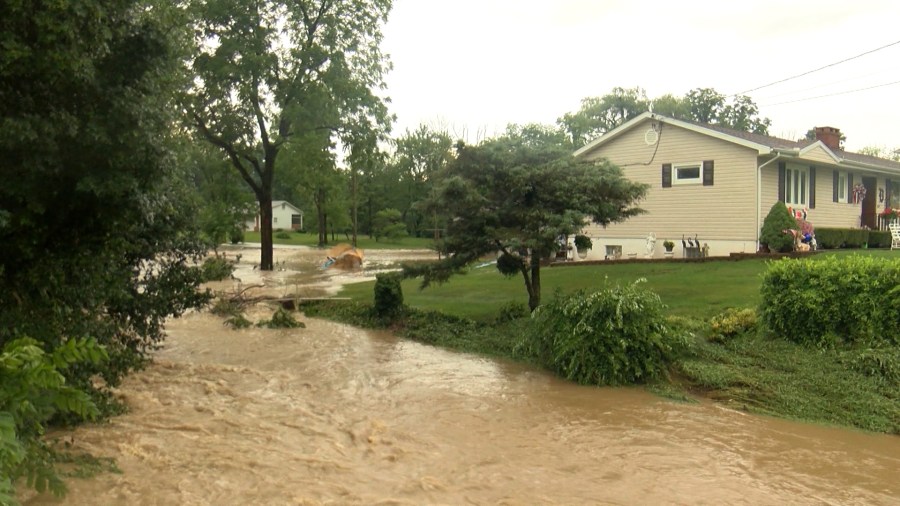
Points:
(599, 115)
(272, 70)
(516, 194)
(95, 237)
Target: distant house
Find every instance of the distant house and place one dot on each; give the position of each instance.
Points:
(718, 184)
(284, 216)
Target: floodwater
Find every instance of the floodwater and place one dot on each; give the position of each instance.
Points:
(335, 415)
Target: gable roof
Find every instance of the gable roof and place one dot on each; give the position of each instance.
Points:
(276, 203)
(763, 144)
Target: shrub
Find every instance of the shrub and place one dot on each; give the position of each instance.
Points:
(512, 311)
(731, 323)
(879, 239)
(388, 295)
(216, 268)
(583, 242)
(831, 238)
(238, 321)
(772, 234)
(617, 335)
(236, 236)
(838, 299)
(281, 319)
(32, 391)
(883, 364)
(388, 223)
(282, 235)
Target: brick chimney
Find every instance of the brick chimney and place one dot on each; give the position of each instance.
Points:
(829, 136)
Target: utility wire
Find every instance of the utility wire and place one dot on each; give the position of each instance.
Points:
(818, 69)
(832, 94)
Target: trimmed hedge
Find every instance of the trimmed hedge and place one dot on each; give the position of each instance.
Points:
(879, 239)
(837, 300)
(831, 238)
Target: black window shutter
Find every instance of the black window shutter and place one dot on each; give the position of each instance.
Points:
(850, 188)
(887, 193)
(708, 168)
(812, 187)
(781, 170)
(667, 175)
(834, 190)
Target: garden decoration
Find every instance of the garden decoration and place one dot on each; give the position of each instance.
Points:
(859, 193)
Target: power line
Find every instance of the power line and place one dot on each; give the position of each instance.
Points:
(818, 69)
(832, 94)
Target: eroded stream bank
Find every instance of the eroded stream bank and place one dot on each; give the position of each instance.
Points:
(335, 415)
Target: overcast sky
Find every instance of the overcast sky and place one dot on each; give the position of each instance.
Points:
(472, 66)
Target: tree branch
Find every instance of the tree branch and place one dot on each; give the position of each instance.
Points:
(230, 150)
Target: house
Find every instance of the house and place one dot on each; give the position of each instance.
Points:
(718, 184)
(285, 216)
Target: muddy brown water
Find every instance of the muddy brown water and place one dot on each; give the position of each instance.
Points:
(334, 415)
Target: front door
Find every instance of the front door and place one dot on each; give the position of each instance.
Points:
(868, 218)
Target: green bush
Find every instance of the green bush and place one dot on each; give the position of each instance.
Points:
(32, 391)
(831, 238)
(388, 295)
(281, 319)
(512, 311)
(883, 364)
(731, 323)
(583, 242)
(772, 234)
(282, 235)
(854, 299)
(879, 239)
(216, 268)
(614, 336)
(237, 235)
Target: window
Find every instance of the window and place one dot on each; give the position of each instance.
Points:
(687, 173)
(274, 220)
(895, 195)
(796, 186)
(842, 187)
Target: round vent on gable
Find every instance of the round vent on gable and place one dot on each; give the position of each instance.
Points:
(651, 137)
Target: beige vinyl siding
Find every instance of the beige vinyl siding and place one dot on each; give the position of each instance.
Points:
(724, 211)
(818, 155)
(832, 214)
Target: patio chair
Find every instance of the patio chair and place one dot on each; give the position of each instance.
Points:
(895, 235)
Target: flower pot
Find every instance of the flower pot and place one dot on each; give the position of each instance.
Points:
(669, 254)
(582, 253)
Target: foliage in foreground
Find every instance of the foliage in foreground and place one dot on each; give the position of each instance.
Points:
(838, 300)
(615, 336)
(32, 391)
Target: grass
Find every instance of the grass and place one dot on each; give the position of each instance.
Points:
(364, 242)
(694, 290)
(749, 372)
(777, 377)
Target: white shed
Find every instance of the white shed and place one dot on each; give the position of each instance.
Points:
(285, 216)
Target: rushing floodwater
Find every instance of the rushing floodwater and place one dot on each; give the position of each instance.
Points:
(335, 415)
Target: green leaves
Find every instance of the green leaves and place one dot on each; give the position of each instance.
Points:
(32, 391)
(617, 335)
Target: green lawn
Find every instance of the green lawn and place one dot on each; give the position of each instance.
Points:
(312, 239)
(696, 290)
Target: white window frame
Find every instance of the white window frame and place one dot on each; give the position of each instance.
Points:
(796, 185)
(842, 186)
(678, 180)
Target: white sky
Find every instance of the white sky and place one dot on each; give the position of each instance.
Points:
(472, 66)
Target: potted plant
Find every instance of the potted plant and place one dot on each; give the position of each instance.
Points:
(582, 244)
(669, 245)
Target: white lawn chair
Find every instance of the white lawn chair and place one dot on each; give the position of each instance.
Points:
(895, 235)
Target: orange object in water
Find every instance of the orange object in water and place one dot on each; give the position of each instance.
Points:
(344, 256)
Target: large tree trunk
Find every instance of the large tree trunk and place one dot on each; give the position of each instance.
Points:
(354, 215)
(266, 260)
(320, 217)
(534, 288)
